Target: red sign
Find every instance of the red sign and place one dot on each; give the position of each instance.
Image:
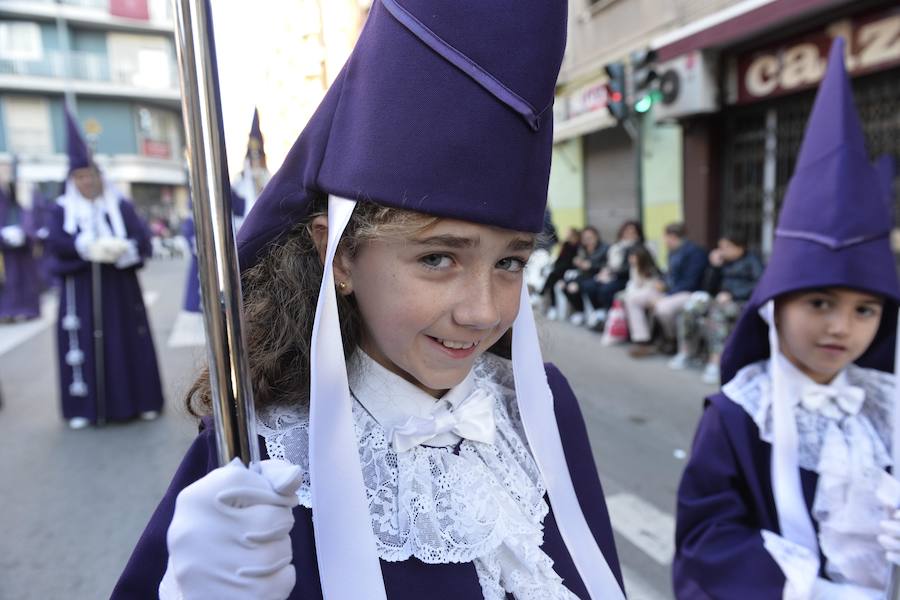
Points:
(130, 9)
(155, 149)
(873, 44)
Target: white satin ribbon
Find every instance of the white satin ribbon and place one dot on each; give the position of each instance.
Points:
(793, 518)
(834, 402)
(535, 400)
(473, 419)
(349, 568)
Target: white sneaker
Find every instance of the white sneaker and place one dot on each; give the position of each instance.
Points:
(577, 319)
(595, 317)
(552, 313)
(149, 415)
(711, 374)
(679, 362)
(79, 422)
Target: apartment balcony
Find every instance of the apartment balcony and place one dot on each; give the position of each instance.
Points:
(91, 74)
(99, 14)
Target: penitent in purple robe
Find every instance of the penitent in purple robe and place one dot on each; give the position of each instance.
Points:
(409, 579)
(189, 231)
(131, 371)
(21, 292)
(724, 500)
(833, 231)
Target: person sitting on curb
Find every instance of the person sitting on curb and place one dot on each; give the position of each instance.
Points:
(687, 263)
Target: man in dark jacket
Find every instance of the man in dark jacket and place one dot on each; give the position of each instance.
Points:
(687, 262)
(710, 315)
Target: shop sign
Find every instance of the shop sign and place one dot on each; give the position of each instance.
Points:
(873, 44)
(588, 98)
(155, 149)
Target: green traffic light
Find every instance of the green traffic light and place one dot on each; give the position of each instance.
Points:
(644, 104)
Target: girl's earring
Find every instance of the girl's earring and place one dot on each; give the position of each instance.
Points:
(342, 286)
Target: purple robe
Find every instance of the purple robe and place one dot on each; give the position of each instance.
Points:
(192, 285)
(724, 500)
(131, 371)
(407, 579)
(21, 292)
(189, 231)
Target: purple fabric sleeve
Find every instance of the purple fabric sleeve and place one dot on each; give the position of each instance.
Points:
(583, 471)
(724, 501)
(61, 246)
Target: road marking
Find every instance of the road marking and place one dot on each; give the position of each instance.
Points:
(644, 525)
(187, 330)
(15, 334)
(637, 588)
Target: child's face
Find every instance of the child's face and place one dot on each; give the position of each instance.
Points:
(433, 302)
(822, 331)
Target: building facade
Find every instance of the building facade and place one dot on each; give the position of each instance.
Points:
(113, 62)
(765, 61)
(603, 173)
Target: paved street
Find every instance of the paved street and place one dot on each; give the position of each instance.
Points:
(74, 502)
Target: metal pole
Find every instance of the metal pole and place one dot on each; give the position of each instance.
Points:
(220, 283)
(99, 350)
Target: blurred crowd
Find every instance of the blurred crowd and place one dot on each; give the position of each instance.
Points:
(685, 308)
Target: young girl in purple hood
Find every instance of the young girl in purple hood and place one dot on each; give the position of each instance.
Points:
(787, 493)
(418, 446)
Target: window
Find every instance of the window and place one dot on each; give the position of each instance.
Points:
(141, 60)
(158, 132)
(28, 129)
(20, 41)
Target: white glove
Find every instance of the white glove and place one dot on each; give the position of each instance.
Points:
(83, 243)
(130, 257)
(890, 537)
(827, 590)
(107, 249)
(230, 534)
(13, 235)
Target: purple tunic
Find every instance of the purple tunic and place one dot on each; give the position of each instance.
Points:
(724, 500)
(131, 372)
(407, 579)
(189, 231)
(21, 292)
(192, 285)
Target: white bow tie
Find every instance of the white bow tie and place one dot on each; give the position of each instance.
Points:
(473, 419)
(832, 402)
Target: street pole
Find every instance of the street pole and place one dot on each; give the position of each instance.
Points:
(220, 289)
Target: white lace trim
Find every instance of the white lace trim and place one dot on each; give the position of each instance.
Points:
(483, 504)
(751, 390)
(850, 455)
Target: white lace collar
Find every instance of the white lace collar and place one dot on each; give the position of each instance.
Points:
(390, 399)
(479, 503)
(751, 390)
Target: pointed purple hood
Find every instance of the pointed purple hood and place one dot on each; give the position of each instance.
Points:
(256, 148)
(834, 227)
(444, 107)
(79, 154)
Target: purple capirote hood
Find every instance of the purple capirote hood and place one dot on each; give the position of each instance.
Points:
(444, 107)
(76, 147)
(834, 227)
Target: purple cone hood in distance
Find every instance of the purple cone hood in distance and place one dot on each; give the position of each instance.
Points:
(76, 147)
(444, 107)
(834, 227)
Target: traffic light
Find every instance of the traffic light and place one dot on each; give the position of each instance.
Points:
(615, 91)
(644, 79)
